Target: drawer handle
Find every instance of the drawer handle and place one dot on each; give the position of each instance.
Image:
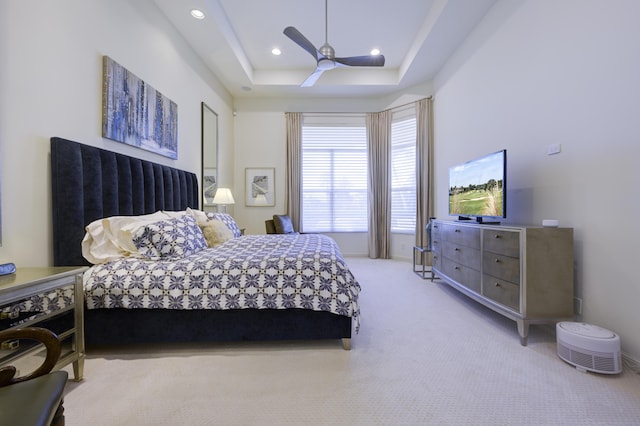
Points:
(457, 268)
(457, 230)
(10, 315)
(456, 249)
(498, 236)
(497, 284)
(497, 260)
(10, 345)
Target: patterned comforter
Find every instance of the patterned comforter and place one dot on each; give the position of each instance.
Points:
(254, 271)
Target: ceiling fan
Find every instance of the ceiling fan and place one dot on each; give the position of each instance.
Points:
(325, 56)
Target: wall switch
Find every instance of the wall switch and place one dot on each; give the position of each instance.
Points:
(553, 149)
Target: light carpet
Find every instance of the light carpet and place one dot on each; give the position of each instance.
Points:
(425, 355)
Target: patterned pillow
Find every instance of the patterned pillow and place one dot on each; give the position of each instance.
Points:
(228, 220)
(169, 239)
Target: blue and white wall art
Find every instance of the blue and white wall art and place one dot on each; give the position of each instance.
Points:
(135, 113)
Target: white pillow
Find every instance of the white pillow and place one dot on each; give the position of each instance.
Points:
(201, 217)
(121, 228)
(111, 238)
(96, 245)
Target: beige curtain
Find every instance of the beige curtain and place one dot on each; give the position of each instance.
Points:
(378, 139)
(293, 173)
(424, 169)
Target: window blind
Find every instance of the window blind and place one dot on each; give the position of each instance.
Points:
(403, 175)
(334, 178)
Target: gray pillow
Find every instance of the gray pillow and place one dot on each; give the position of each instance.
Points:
(283, 224)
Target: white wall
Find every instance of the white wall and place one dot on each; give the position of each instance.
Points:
(541, 72)
(260, 141)
(51, 85)
(535, 73)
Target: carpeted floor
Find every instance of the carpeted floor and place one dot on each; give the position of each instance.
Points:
(425, 355)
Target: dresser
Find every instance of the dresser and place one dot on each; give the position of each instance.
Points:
(522, 272)
(49, 297)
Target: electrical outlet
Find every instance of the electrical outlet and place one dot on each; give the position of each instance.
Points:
(577, 306)
(553, 149)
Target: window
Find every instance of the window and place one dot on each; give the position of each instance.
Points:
(334, 174)
(403, 172)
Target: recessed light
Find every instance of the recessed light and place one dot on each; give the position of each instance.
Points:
(198, 14)
(375, 52)
(276, 51)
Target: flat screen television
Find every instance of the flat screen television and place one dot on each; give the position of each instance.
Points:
(478, 188)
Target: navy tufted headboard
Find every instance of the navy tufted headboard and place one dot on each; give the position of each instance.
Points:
(89, 183)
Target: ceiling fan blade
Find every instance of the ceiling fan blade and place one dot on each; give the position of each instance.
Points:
(362, 61)
(311, 80)
(302, 41)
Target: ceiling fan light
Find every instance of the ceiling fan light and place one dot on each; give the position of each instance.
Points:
(325, 64)
(275, 51)
(375, 52)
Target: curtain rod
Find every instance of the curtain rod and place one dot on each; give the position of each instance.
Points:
(360, 113)
(408, 103)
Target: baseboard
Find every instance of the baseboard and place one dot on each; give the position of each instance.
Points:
(631, 364)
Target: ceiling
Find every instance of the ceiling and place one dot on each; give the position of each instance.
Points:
(236, 38)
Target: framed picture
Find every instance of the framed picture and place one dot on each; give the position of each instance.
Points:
(259, 187)
(135, 113)
(209, 186)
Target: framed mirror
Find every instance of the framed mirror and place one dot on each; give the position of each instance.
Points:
(209, 155)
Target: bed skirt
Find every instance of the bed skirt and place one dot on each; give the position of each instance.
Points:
(131, 326)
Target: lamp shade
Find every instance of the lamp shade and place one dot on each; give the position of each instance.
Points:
(223, 196)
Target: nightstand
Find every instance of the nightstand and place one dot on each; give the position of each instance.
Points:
(49, 297)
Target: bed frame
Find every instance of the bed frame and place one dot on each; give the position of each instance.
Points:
(89, 183)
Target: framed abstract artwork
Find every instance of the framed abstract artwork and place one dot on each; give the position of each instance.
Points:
(209, 185)
(135, 113)
(259, 187)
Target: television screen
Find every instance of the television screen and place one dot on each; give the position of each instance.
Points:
(477, 188)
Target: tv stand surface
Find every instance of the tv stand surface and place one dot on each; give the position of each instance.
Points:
(479, 219)
(487, 222)
(522, 272)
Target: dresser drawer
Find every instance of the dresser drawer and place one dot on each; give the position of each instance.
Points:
(503, 292)
(466, 276)
(436, 260)
(435, 230)
(32, 308)
(27, 355)
(503, 267)
(501, 242)
(463, 235)
(462, 254)
(47, 297)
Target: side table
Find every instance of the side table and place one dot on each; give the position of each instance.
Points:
(420, 254)
(48, 297)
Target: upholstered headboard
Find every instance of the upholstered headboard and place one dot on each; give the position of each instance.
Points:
(89, 183)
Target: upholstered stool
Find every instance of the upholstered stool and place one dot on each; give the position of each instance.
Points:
(35, 399)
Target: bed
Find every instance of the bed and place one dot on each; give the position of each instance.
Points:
(282, 272)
